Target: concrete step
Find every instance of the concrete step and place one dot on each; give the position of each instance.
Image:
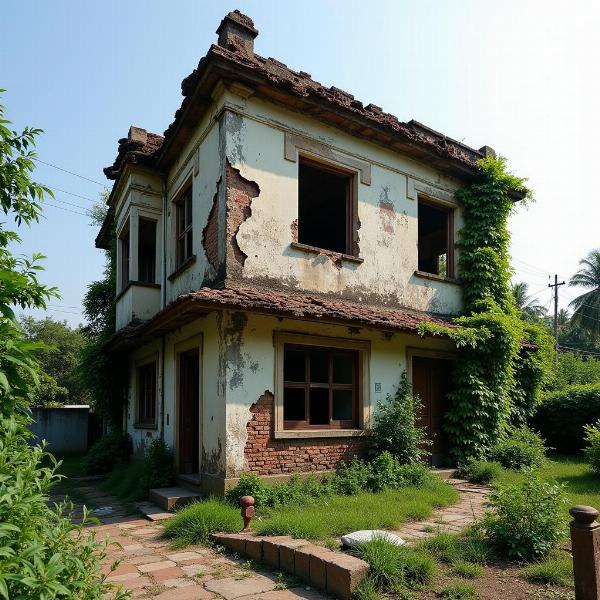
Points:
(172, 497)
(189, 482)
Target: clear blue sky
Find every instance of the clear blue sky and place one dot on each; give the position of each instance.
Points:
(519, 76)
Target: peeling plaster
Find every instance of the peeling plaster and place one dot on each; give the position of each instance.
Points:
(234, 336)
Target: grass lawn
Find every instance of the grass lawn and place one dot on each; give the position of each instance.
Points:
(582, 485)
(337, 515)
(318, 519)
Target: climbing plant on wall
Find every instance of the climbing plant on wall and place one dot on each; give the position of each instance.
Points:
(496, 378)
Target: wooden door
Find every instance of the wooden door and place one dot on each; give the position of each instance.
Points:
(189, 412)
(431, 379)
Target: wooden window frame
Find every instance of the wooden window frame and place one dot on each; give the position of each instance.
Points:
(351, 199)
(449, 209)
(307, 385)
(362, 406)
(125, 262)
(184, 203)
(144, 417)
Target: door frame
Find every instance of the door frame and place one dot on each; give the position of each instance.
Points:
(412, 351)
(192, 343)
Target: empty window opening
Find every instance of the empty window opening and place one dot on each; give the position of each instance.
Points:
(320, 388)
(146, 394)
(124, 241)
(435, 240)
(325, 207)
(184, 227)
(147, 251)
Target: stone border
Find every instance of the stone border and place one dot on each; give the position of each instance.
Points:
(334, 572)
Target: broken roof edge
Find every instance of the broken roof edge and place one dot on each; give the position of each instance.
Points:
(414, 138)
(293, 305)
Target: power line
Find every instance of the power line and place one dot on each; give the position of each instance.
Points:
(561, 347)
(70, 172)
(76, 212)
(71, 193)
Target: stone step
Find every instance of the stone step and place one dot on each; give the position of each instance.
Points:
(172, 497)
(189, 482)
(444, 473)
(334, 572)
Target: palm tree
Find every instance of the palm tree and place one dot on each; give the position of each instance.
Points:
(586, 308)
(528, 306)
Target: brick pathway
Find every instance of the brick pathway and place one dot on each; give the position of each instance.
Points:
(150, 568)
(452, 519)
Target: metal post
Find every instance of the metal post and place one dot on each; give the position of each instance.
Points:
(585, 543)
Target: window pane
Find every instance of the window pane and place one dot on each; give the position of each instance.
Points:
(342, 405)
(188, 209)
(293, 404)
(188, 250)
(180, 218)
(433, 238)
(293, 365)
(343, 367)
(319, 366)
(319, 406)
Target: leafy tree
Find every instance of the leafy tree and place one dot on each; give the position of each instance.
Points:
(587, 306)
(103, 375)
(58, 359)
(42, 555)
(530, 309)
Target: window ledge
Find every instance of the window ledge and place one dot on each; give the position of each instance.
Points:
(318, 433)
(145, 426)
(188, 262)
(331, 253)
(435, 277)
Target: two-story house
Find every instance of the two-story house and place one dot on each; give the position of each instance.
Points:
(277, 249)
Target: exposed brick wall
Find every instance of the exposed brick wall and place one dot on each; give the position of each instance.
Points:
(240, 193)
(210, 234)
(267, 456)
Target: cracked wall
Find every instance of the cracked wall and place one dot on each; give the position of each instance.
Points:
(386, 219)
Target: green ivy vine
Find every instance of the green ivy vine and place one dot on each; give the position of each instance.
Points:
(497, 378)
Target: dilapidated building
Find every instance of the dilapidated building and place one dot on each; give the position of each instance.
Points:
(277, 249)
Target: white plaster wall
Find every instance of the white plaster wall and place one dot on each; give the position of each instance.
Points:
(212, 376)
(388, 242)
(142, 436)
(203, 148)
(251, 367)
(139, 302)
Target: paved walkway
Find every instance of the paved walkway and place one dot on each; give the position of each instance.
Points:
(452, 519)
(150, 568)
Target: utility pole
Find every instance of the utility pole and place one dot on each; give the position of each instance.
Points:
(555, 286)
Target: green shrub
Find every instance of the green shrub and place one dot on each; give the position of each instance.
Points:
(42, 554)
(592, 449)
(395, 428)
(250, 484)
(194, 523)
(560, 418)
(158, 466)
(352, 478)
(476, 470)
(522, 449)
(527, 518)
(125, 481)
(572, 368)
(110, 450)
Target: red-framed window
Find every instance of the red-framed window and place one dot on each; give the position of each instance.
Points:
(320, 387)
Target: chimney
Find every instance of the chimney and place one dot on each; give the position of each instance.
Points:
(137, 135)
(236, 32)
